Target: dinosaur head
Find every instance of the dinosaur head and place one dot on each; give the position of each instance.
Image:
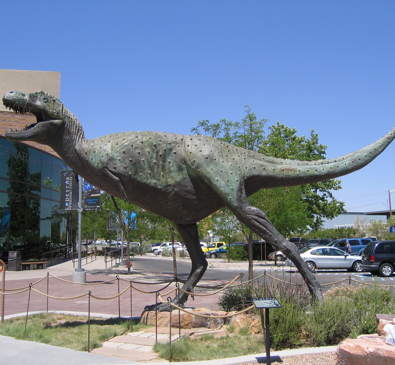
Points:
(48, 110)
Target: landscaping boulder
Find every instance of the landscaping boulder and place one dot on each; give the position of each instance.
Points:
(250, 321)
(366, 350)
(186, 320)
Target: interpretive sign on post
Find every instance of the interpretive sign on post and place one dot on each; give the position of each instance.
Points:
(266, 304)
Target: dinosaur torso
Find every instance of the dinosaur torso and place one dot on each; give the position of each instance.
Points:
(183, 178)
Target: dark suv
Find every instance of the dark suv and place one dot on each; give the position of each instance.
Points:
(379, 257)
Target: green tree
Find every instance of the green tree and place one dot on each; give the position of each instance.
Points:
(283, 142)
(291, 209)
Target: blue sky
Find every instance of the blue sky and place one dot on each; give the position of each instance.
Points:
(164, 65)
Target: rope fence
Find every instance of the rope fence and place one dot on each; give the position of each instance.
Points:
(160, 295)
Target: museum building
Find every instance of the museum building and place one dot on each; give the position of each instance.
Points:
(31, 221)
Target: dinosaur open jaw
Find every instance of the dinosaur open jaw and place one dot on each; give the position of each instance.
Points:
(30, 130)
(22, 108)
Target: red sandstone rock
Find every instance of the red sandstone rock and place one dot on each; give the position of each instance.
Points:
(365, 350)
(250, 321)
(186, 320)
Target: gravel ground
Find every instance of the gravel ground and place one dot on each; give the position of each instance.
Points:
(328, 358)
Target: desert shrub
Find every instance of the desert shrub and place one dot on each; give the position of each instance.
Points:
(235, 299)
(286, 325)
(330, 322)
(348, 312)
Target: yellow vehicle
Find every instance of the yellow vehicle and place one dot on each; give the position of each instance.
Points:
(214, 246)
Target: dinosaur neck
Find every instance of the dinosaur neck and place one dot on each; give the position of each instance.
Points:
(67, 145)
(292, 172)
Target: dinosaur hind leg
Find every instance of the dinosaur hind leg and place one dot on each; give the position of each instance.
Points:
(190, 237)
(257, 221)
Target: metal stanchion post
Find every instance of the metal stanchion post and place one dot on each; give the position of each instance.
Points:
(131, 304)
(47, 291)
(170, 349)
(27, 309)
(119, 299)
(179, 311)
(156, 317)
(89, 321)
(3, 267)
(264, 283)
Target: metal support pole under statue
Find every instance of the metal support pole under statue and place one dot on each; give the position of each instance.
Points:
(79, 274)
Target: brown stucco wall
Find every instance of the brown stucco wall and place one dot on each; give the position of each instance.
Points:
(11, 120)
(29, 81)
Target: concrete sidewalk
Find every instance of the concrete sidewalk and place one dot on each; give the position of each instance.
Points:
(19, 352)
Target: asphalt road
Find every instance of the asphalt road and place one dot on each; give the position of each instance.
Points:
(165, 267)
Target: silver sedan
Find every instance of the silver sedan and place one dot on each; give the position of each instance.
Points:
(324, 257)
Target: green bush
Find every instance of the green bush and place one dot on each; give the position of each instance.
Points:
(236, 299)
(348, 312)
(330, 322)
(238, 253)
(286, 325)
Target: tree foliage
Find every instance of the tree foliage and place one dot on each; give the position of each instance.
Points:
(149, 226)
(291, 209)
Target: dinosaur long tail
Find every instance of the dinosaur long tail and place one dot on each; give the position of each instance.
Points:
(282, 172)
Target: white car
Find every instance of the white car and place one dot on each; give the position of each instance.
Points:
(324, 257)
(165, 246)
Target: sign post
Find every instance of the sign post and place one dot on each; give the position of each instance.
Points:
(3, 269)
(266, 304)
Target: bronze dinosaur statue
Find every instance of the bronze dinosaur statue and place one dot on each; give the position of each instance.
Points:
(182, 178)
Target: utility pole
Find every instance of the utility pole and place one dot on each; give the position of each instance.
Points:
(389, 203)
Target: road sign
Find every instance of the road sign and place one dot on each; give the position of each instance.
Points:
(392, 229)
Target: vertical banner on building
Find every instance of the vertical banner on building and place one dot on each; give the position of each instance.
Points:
(69, 190)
